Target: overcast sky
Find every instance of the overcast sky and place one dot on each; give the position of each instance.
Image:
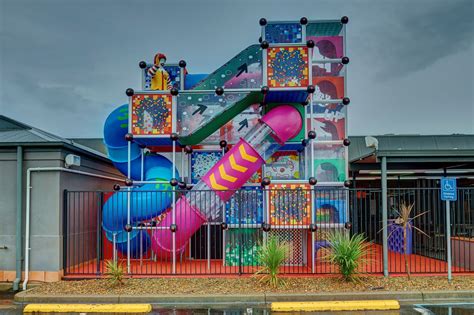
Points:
(66, 64)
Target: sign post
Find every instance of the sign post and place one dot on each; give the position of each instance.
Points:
(448, 193)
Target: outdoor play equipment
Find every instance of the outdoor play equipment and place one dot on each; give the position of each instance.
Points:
(272, 116)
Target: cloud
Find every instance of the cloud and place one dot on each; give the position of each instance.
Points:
(418, 35)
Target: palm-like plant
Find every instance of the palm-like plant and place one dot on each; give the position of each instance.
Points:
(271, 256)
(115, 272)
(404, 220)
(347, 252)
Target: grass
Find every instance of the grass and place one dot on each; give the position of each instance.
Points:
(347, 252)
(271, 256)
(114, 271)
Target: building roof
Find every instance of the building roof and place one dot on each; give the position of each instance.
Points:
(14, 133)
(406, 146)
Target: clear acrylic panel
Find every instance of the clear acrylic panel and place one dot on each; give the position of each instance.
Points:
(196, 109)
(329, 127)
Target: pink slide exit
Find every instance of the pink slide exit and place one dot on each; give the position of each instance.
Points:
(230, 173)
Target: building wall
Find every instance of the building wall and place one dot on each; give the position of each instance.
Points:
(46, 233)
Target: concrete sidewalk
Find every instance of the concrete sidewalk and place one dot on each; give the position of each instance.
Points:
(260, 299)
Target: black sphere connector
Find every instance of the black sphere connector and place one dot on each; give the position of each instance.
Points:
(266, 181)
(305, 103)
(265, 89)
(174, 91)
(264, 44)
(182, 64)
(303, 21)
(219, 91)
(347, 183)
(262, 22)
(182, 185)
(174, 136)
(224, 226)
(344, 20)
(345, 60)
(312, 134)
(310, 43)
(173, 182)
(141, 224)
(312, 181)
(266, 227)
(154, 223)
(116, 187)
(304, 142)
(346, 142)
(346, 101)
(128, 182)
(128, 228)
(173, 228)
(142, 64)
(310, 89)
(223, 144)
(260, 39)
(313, 227)
(348, 225)
(129, 92)
(226, 149)
(129, 137)
(188, 149)
(189, 187)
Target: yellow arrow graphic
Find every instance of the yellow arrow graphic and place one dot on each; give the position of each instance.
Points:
(235, 166)
(245, 155)
(214, 184)
(225, 176)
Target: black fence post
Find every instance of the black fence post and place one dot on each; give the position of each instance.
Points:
(99, 231)
(65, 230)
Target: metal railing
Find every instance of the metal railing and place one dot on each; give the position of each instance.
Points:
(128, 226)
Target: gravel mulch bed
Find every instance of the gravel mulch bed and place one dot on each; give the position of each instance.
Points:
(248, 285)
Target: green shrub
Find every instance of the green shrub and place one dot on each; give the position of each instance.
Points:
(347, 252)
(271, 256)
(115, 272)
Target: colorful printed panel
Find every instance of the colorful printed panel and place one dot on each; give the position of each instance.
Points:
(284, 33)
(329, 127)
(287, 66)
(151, 114)
(327, 47)
(323, 29)
(330, 206)
(290, 204)
(241, 247)
(328, 88)
(329, 162)
(284, 165)
(245, 207)
(173, 71)
(201, 162)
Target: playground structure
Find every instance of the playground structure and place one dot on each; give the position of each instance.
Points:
(271, 123)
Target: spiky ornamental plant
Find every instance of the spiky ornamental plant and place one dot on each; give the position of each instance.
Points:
(347, 252)
(404, 220)
(271, 256)
(115, 272)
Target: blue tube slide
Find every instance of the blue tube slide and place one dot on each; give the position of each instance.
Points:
(144, 205)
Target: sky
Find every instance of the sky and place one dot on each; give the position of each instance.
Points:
(65, 64)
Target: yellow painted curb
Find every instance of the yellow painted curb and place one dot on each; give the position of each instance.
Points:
(366, 305)
(88, 308)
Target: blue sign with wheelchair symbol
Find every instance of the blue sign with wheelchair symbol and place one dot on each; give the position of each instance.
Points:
(448, 189)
